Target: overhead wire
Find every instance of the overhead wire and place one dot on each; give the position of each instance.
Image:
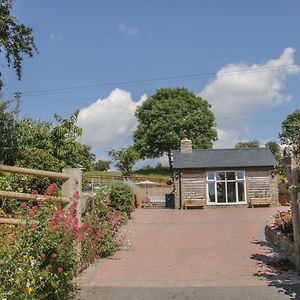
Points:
(160, 79)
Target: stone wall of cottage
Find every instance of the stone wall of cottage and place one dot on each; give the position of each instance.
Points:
(262, 184)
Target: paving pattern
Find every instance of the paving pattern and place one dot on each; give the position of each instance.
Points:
(191, 249)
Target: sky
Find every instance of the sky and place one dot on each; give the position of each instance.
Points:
(106, 57)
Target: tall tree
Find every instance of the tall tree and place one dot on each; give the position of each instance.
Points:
(102, 165)
(124, 159)
(16, 39)
(276, 151)
(248, 144)
(290, 138)
(170, 115)
(290, 134)
(10, 144)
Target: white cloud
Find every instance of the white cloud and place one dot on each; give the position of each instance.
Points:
(109, 123)
(239, 90)
(128, 29)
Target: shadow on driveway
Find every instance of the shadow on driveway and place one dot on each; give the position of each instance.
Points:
(277, 271)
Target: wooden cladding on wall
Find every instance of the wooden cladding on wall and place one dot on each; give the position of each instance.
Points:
(261, 184)
(193, 186)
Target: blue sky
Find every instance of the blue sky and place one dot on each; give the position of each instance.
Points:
(246, 44)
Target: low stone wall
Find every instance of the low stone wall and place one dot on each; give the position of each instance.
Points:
(282, 243)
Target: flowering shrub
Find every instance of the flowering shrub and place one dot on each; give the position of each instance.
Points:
(100, 230)
(44, 262)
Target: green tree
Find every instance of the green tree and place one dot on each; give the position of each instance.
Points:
(124, 159)
(16, 39)
(10, 143)
(66, 146)
(290, 133)
(290, 138)
(170, 115)
(248, 144)
(275, 149)
(102, 165)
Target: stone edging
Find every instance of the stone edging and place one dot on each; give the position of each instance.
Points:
(283, 244)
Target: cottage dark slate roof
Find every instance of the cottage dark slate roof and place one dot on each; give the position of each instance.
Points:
(223, 158)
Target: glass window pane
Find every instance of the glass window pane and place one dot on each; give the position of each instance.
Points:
(220, 175)
(230, 175)
(211, 175)
(221, 192)
(231, 193)
(241, 191)
(211, 192)
(240, 175)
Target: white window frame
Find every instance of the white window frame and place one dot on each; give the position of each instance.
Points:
(236, 180)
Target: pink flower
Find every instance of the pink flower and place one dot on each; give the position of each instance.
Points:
(79, 239)
(42, 256)
(32, 228)
(23, 205)
(54, 255)
(51, 190)
(31, 213)
(59, 270)
(55, 228)
(75, 228)
(49, 267)
(75, 203)
(35, 208)
(76, 195)
(34, 192)
(89, 230)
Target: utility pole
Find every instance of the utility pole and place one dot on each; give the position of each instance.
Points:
(17, 96)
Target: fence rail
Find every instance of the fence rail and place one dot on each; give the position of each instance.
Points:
(34, 172)
(28, 197)
(72, 184)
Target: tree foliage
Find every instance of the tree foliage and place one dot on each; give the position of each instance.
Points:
(102, 165)
(41, 145)
(16, 39)
(124, 159)
(290, 133)
(170, 115)
(275, 149)
(9, 136)
(248, 144)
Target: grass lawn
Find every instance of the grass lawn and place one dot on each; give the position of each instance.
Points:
(163, 173)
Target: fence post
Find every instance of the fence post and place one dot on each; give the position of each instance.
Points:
(74, 185)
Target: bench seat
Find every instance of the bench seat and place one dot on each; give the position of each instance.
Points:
(194, 203)
(260, 202)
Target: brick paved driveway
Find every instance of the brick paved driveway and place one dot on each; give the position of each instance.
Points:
(220, 247)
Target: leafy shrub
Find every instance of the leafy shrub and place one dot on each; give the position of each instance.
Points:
(44, 262)
(121, 197)
(101, 231)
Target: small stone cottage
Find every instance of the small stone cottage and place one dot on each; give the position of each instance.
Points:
(224, 177)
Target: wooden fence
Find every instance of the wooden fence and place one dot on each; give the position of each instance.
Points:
(72, 179)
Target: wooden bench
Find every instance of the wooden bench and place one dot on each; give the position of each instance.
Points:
(260, 202)
(190, 203)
